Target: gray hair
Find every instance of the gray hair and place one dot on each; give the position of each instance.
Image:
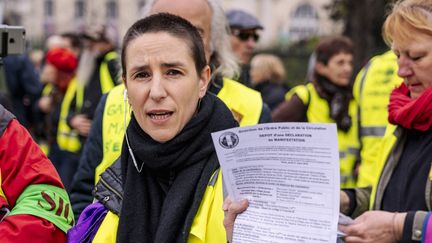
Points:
(222, 58)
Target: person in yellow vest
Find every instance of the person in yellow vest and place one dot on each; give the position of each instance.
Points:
(97, 73)
(168, 160)
(398, 206)
(59, 71)
(372, 88)
(328, 98)
(106, 136)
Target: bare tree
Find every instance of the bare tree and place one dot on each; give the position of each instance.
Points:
(363, 20)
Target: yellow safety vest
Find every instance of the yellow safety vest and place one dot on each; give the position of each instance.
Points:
(372, 89)
(68, 138)
(245, 104)
(319, 111)
(384, 149)
(113, 128)
(43, 145)
(207, 226)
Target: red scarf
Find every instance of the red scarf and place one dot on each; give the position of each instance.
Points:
(411, 113)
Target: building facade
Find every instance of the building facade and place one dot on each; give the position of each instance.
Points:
(285, 21)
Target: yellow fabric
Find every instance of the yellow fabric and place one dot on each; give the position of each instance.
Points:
(207, 226)
(107, 83)
(1, 190)
(67, 138)
(319, 111)
(372, 89)
(385, 147)
(245, 103)
(108, 229)
(112, 128)
(47, 89)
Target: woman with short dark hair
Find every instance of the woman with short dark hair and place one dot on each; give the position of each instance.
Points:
(166, 186)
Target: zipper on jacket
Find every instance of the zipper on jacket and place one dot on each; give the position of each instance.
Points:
(110, 188)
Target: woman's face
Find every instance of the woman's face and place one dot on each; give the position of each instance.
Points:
(415, 62)
(255, 73)
(49, 73)
(162, 83)
(338, 69)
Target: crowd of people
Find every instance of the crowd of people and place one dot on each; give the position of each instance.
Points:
(106, 146)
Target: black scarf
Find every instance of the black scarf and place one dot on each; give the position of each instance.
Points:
(338, 98)
(151, 213)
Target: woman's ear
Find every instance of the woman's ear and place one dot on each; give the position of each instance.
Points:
(204, 81)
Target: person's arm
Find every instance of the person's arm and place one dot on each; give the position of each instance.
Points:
(83, 182)
(292, 110)
(114, 70)
(25, 170)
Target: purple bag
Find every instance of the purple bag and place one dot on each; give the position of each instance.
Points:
(88, 224)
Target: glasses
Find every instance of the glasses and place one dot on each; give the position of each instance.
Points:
(244, 36)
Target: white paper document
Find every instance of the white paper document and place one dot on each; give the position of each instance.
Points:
(290, 174)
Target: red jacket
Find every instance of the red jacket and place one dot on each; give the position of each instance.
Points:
(22, 163)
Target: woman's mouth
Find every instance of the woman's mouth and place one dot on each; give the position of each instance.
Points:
(160, 115)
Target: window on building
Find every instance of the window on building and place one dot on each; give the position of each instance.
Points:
(304, 23)
(112, 9)
(79, 8)
(49, 8)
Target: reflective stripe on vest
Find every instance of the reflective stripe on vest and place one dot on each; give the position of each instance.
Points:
(245, 103)
(67, 138)
(372, 89)
(207, 226)
(107, 83)
(319, 111)
(47, 89)
(112, 128)
(385, 148)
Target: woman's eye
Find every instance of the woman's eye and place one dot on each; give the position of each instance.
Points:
(415, 58)
(141, 75)
(173, 72)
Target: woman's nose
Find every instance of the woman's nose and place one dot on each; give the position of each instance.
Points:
(157, 89)
(404, 69)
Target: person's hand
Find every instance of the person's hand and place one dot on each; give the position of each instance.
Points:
(45, 104)
(82, 124)
(375, 226)
(344, 203)
(231, 209)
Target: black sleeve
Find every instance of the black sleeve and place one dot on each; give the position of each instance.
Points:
(114, 70)
(83, 182)
(265, 116)
(352, 200)
(292, 110)
(408, 226)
